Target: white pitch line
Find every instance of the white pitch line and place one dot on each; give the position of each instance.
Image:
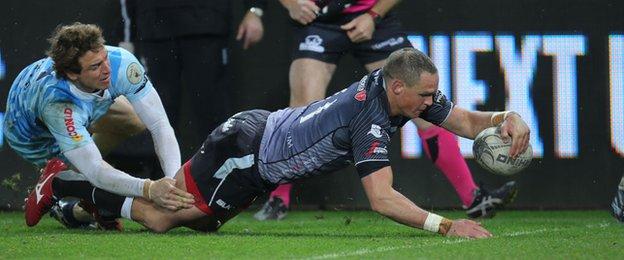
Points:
(365, 251)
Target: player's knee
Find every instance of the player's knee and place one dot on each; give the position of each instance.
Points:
(158, 223)
(160, 227)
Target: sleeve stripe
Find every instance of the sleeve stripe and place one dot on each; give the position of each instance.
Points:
(448, 115)
(372, 160)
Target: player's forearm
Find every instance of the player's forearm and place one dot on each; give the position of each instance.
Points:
(466, 123)
(400, 209)
(151, 111)
(382, 7)
(166, 147)
(89, 162)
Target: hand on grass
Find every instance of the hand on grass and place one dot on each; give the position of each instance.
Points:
(467, 229)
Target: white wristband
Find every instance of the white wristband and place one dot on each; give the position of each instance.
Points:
(432, 223)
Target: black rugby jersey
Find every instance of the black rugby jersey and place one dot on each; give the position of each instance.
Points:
(351, 126)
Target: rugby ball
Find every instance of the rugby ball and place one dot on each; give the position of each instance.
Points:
(492, 153)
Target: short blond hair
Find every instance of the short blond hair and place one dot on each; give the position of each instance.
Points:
(407, 64)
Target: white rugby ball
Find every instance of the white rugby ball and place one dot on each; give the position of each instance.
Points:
(492, 153)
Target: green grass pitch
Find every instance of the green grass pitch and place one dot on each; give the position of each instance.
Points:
(324, 234)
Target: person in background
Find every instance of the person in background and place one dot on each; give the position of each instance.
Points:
(184, 45)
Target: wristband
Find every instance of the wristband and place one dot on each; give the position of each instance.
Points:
(376, 16)
(498, 117)
(146, 189)
(432, 223)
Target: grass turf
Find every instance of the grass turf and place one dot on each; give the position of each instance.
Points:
(322, 234)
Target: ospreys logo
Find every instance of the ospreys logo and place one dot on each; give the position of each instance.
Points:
(134, 73)
(375, 131)
(312, 43)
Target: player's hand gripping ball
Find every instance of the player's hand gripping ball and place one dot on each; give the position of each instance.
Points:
(492, 153)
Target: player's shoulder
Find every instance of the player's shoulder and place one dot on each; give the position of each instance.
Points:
(53, 87)
(119, 54)
(128, 75)
(121, 60)
(369, 92)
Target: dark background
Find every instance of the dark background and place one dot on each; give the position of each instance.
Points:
(260, 80)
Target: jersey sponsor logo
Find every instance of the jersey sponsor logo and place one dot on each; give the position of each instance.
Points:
(312, 43)
(316, 112)
(69, 125)
(372, 148)
(389, 42)
(134, 73)
(360, 96)
(362, 83)
(224, 205)
(375, 131)
(380, 150)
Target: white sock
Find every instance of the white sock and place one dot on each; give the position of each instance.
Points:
(126, 208)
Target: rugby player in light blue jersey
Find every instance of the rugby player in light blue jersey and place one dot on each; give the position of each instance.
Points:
(86, 96)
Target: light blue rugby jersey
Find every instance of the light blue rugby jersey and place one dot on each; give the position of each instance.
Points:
(47, 115)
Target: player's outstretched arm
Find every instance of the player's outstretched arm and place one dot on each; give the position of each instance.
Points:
(388, 202)
(152, 113)
(88, 160)
(469, 124)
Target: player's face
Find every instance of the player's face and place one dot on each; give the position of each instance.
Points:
(415, 99)
(96, 72)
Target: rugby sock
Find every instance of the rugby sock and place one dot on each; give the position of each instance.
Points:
(102, 199)
(126, 208)
(283, 192)
(441, 147)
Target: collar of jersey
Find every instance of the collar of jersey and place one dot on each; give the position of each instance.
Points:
(100, 95)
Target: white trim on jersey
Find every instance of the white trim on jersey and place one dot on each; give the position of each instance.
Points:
(448, 115)
(372, 160)
(228, 166)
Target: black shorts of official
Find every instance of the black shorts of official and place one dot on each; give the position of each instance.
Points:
(223, 175)
(325, 41)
